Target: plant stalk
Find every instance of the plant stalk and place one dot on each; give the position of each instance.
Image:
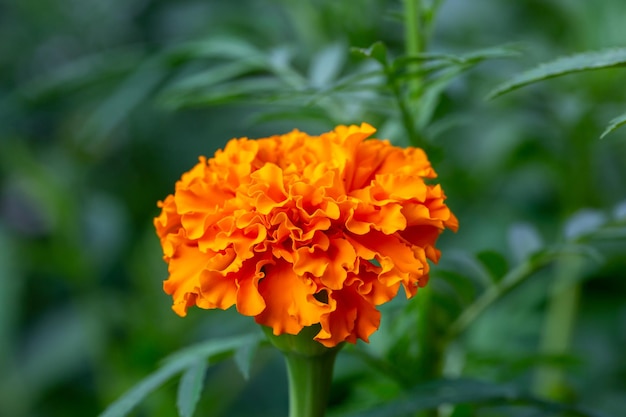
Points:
(559, 327)
(309, 383)
(309, 370)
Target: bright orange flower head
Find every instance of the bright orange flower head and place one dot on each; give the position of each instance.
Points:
(298, 230)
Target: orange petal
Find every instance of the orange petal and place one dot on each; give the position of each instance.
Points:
(353, 318)
(290, 304)
(183, 283)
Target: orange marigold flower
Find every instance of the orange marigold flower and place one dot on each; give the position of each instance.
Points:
(298, 230)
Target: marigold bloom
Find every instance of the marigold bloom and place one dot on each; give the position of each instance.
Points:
(297, 230)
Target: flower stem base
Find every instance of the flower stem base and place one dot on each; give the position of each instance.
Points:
(309, 370)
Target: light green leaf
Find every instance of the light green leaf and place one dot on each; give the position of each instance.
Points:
(190, 387)
(584, 222)
(327, 64)
(616, 123)
(243, 358)
(432, 94)
(524, 240)
(586, 61)
(174, 364)
(214, 47)
(378, 52)
(468, 58)
(131, 398)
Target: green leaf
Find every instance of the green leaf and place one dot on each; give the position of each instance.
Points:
(494, 262)
(524, 240)
(131, 398)
(248, 89)
(116, 108)
(215, 47)
(243, 358)
(584, 222)
(190, 387)
(378, 52)
(468, 58)
(327, 64)
(174, 364)
(432, 93)
(431, 395)
(616, 123)
(215, 75)
(586, 61)
(463, 286)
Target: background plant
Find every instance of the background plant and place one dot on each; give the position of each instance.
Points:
(105, 103)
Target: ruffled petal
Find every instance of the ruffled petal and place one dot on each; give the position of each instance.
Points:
(296, 230)
(290, 301)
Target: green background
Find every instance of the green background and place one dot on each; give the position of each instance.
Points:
(100, 115)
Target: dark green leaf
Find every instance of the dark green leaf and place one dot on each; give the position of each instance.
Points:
(586, 61)
(463, 391)
(116, 108)
(245, 90)
(378, 52)
(616, 123)
(214, 75)
(81, 73)
(463, 286)
(495, 263)
(190, 387)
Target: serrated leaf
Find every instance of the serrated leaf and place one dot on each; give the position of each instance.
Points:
(586, 61)
(175, 364)
(432, 93)
(378, 52)
(495, 263)
(243, 358)
(616, 123)
(524, 240)
(190, 387)
(327, 64)
(131, 398)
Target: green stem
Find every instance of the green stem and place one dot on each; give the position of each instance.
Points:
(414, 44)
(414, 39)
(431, 341)
(558, 328)
(309, 383)
(309, 370)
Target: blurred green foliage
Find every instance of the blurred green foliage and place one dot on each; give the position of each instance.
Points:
(105, 103)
